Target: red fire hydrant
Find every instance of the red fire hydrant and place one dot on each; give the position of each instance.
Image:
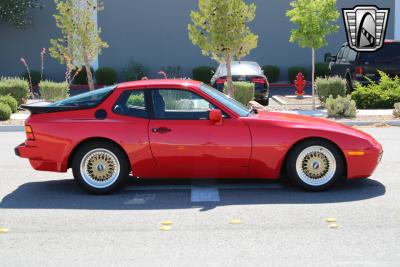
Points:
(300, 83)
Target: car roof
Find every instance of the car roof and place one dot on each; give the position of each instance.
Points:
(158, 82)
(241, 68)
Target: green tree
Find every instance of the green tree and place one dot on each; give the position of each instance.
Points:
(15, 12)
(315, 19)
(80, 42)
(220, 29)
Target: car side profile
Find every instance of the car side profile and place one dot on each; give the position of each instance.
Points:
(186, 129)
(244, 71)
(363, 66)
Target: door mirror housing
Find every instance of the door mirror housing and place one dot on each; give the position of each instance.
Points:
(327, 57)
(215, 116)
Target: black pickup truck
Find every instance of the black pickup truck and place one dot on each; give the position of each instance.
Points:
(356, 66)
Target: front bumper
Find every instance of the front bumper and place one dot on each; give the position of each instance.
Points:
(364, 166)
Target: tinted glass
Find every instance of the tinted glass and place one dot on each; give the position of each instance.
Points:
(89, 99)
(389, 53)
(340, 53)
(351, 56)
(225, 100)
(176, 104)
(131, 103)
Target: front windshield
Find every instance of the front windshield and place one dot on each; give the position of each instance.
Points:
(230, 103)
(89, 99)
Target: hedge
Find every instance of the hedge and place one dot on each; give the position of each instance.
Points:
(16, 87)
(271, 72)
(105, 76)
(293, 71)
(53, 91)
(383, 94)
(203, 74)
(243, 92)
(5, 112)
(10, 101)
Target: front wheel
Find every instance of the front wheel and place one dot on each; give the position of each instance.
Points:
(315, 165)
(100, 167)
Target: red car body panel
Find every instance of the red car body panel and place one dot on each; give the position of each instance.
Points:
(241, 147)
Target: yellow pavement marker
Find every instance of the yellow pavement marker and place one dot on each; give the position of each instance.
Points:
(165, 228)
(333, 226)
(235, 221)
(167, 222)
(330, 219)
(3, 230)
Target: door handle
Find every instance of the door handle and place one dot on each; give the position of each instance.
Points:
(161, 130)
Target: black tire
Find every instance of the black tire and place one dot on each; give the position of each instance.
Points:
(349, 85)
(295, 154)
(119, 158)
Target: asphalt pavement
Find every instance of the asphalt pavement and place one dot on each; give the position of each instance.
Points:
(52, 222)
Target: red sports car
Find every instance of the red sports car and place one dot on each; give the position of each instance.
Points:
(186, 129)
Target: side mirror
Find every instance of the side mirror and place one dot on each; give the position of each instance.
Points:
(215, 116)
(327, 57)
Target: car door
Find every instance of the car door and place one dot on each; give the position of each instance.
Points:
(185, 144)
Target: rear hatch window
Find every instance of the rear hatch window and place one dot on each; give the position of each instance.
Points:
(89, 99)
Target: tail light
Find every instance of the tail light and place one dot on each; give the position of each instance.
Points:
(220, 81)
(259, 80)
(359, 71)
(29, 133)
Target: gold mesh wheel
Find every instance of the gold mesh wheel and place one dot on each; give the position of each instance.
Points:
(316, 165)
(100, 168)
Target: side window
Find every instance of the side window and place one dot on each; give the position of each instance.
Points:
(177, 104)
(340, 54)
(352, 55)
(345, 54)
(131, 103)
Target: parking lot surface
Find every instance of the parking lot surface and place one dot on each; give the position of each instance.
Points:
(50, 221)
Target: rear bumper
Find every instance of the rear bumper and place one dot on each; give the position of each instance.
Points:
(35, 159)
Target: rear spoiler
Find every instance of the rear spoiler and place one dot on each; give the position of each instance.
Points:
(43, 107)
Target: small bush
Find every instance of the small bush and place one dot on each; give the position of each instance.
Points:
(330, 86)
(293, 71)
(396, 110)
(272, 72)
(5, 112)
(203, 74)
(10, 101)
(106, 76)
(53, 91)
(244, 91)
(341, 106)
(81, 77)
(16, 87)
(134, 71)
(322, 69)
(383, 94)
(35, 76)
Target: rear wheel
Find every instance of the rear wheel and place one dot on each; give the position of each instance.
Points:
(100, 167)
(315, 165)
(349, 84)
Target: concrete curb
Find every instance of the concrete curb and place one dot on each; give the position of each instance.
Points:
(11, 128)
(279, 100)
(395, 123)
